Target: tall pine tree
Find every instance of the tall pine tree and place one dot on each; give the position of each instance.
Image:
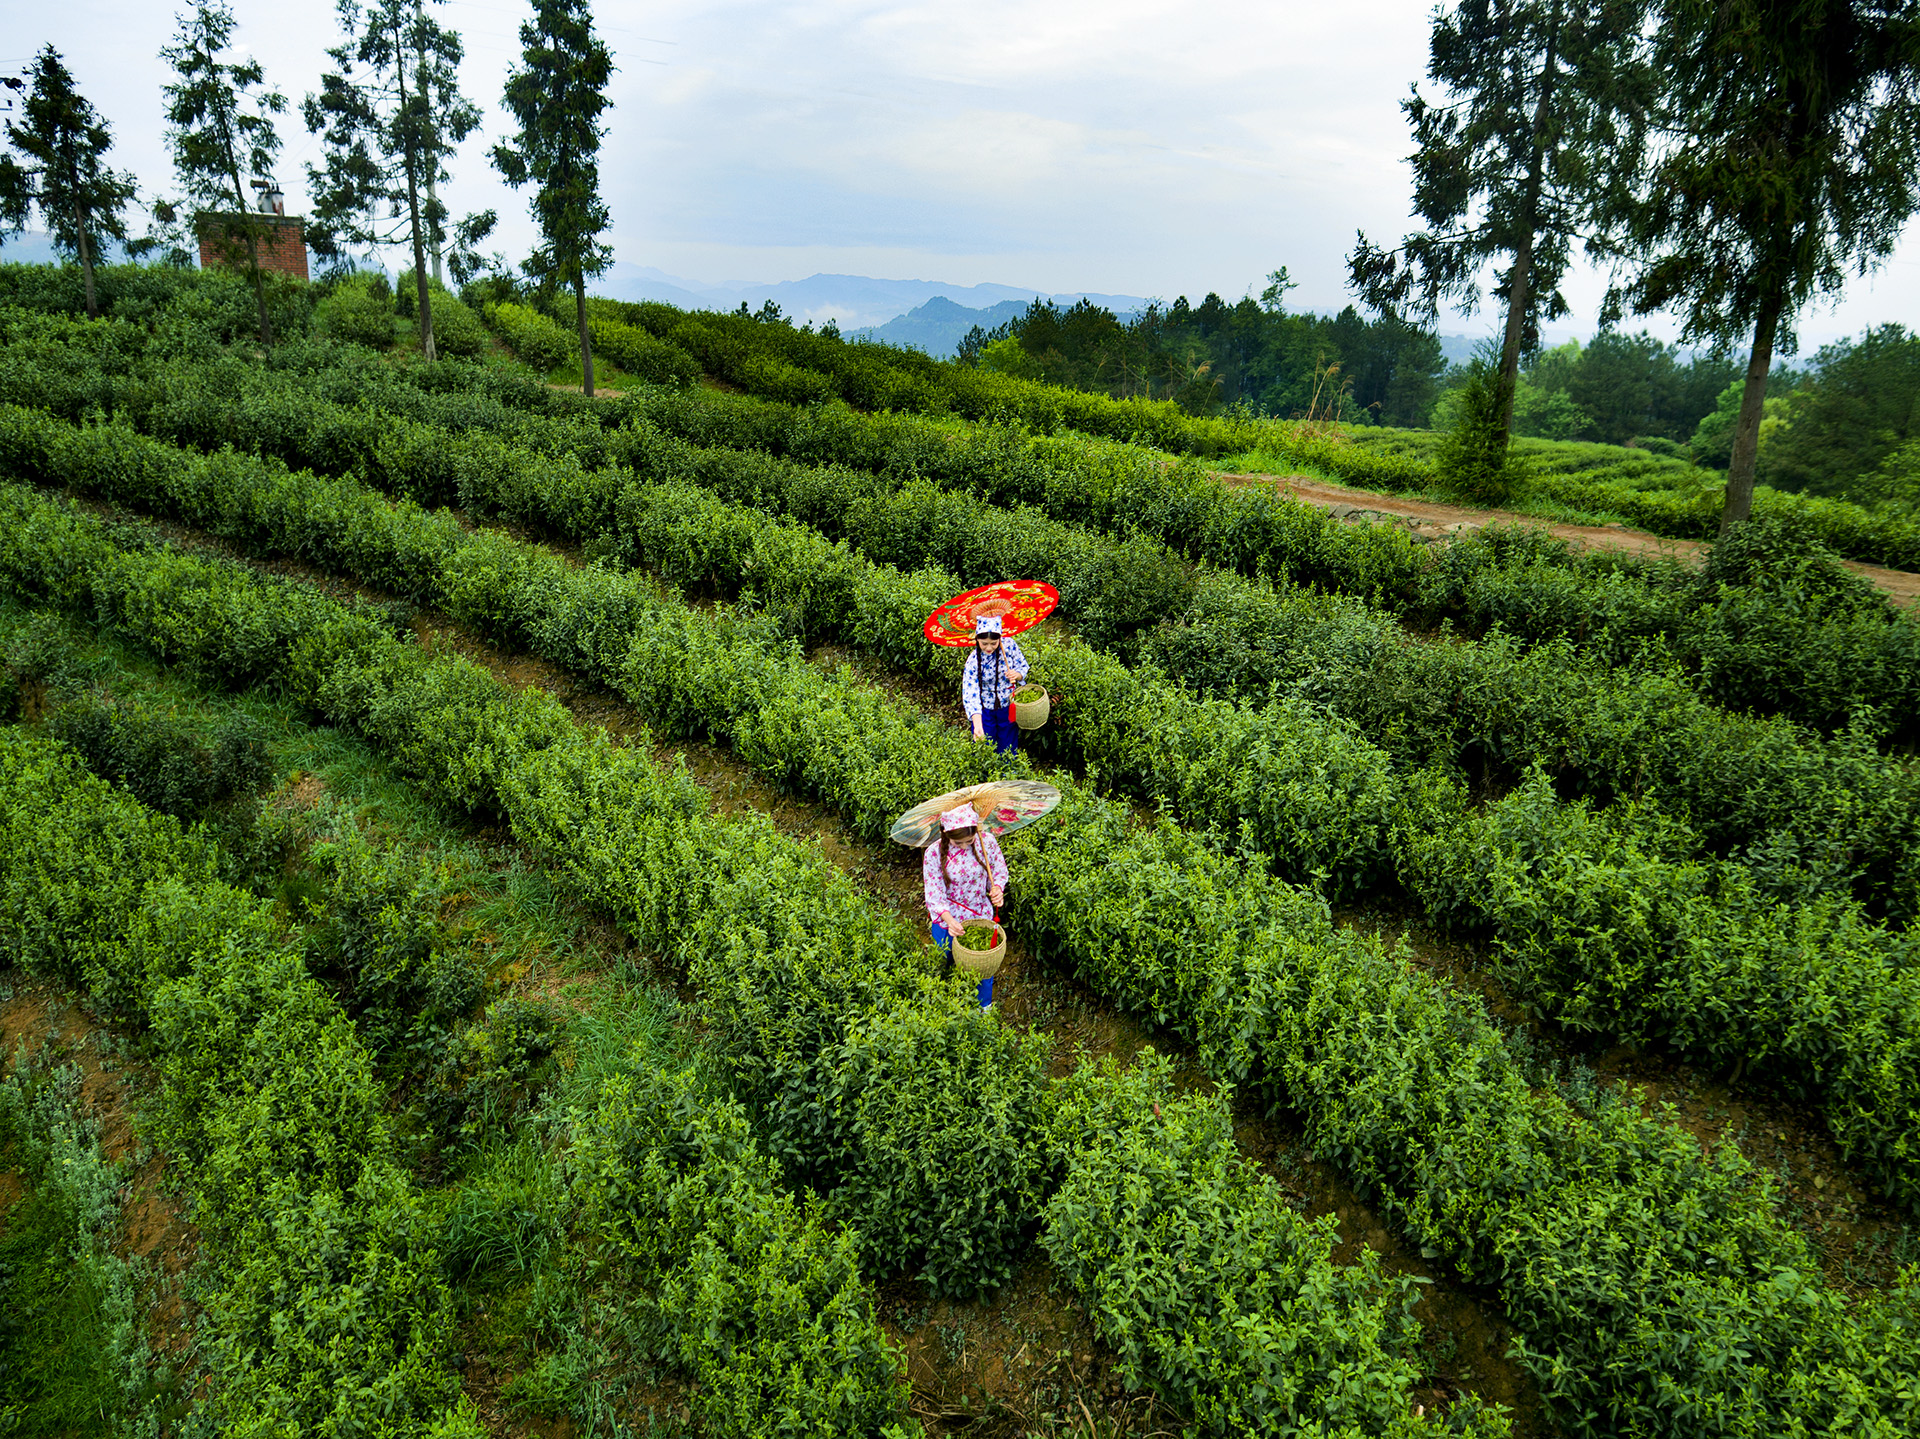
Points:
(1543, 112)
(388, 117)
(63, 143)
(1787, 153)
(558, 93)
(220, 128)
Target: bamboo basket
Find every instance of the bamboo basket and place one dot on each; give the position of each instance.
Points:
(1033, 713)
(982, 963)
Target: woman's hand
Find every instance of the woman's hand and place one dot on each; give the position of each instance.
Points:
(1019, 676)
(978, 731)
(996, 894)
(946, 923)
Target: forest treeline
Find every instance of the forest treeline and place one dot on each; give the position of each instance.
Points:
(1844, 423)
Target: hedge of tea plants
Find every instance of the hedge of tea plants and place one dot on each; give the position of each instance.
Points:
(1194, 860)
(851, 1061)
(328, 1303)
(72, 1344)
(792, 366)
(1767, 627)
(1304, 794)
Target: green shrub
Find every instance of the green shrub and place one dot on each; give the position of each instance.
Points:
(638, 353)
(1215, 1291)
(358, 317)
(1473, 464)
(734, 1281)
(534, 338)
(321, 1305)
(72, 1352)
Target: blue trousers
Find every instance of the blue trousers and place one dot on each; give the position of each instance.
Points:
(1004, 733)
(945, 942)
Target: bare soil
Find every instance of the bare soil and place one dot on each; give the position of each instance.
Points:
(1433, 520)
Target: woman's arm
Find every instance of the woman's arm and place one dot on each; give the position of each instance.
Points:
(970, 692)
(1016, 660)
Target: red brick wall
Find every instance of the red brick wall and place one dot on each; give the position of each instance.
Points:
(282, 248)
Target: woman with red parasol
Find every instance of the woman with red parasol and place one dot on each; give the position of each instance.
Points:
(988, 619)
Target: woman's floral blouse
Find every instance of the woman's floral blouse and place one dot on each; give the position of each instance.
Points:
(962, 890)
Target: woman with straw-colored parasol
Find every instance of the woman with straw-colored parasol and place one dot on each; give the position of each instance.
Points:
(963, 869)
(965, 877)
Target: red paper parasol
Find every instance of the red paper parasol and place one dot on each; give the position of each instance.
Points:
(1024, 603)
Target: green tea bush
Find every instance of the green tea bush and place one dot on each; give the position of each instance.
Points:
(767, 927)
(1818, 669)
(160, 759)
(1218, 765)
(1385, 1109)
(1197, 1268)
(945, 1119)
(1609, 933)
(534, 338)
(355, 314)
(736, 1283)
(219, 300)
(322, 1306)
(637, 352)
(457, 330)
(1653, 1287)
(373, 935)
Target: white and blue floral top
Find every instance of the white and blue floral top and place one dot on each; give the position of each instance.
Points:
(998, 687)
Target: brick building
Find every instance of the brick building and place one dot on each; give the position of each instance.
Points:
(283, 243)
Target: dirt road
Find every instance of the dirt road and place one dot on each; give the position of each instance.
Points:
(1437, 521)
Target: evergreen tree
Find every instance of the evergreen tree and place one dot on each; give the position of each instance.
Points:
(64, 144)
(1547, 107)
(1787, 153)
(557, 93)
(388, 118)
(220, 128)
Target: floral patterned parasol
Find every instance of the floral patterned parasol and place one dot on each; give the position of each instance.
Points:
(1003, 806)
(1024, 603)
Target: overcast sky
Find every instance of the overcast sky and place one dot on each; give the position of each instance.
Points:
(1127, 146)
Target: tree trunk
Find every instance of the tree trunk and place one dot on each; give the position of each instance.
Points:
(422, 295)
(586, 339)
(1520, 278)
(86, 259)
(1507, 382)
(1746, 430)
(433, 200)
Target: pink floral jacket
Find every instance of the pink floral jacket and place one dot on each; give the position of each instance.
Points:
(962, 890)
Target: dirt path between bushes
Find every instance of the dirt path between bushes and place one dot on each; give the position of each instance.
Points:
(1432, 521)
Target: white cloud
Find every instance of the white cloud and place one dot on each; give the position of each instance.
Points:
(1130, 146)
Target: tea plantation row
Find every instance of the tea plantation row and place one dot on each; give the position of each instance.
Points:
(929, 1129)
(553, 606)
(1492, 709)
(1609, 922)
(1764, 628)
(796, 367)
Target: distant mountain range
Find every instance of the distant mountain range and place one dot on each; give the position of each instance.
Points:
(928, 315)
(854, 302)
